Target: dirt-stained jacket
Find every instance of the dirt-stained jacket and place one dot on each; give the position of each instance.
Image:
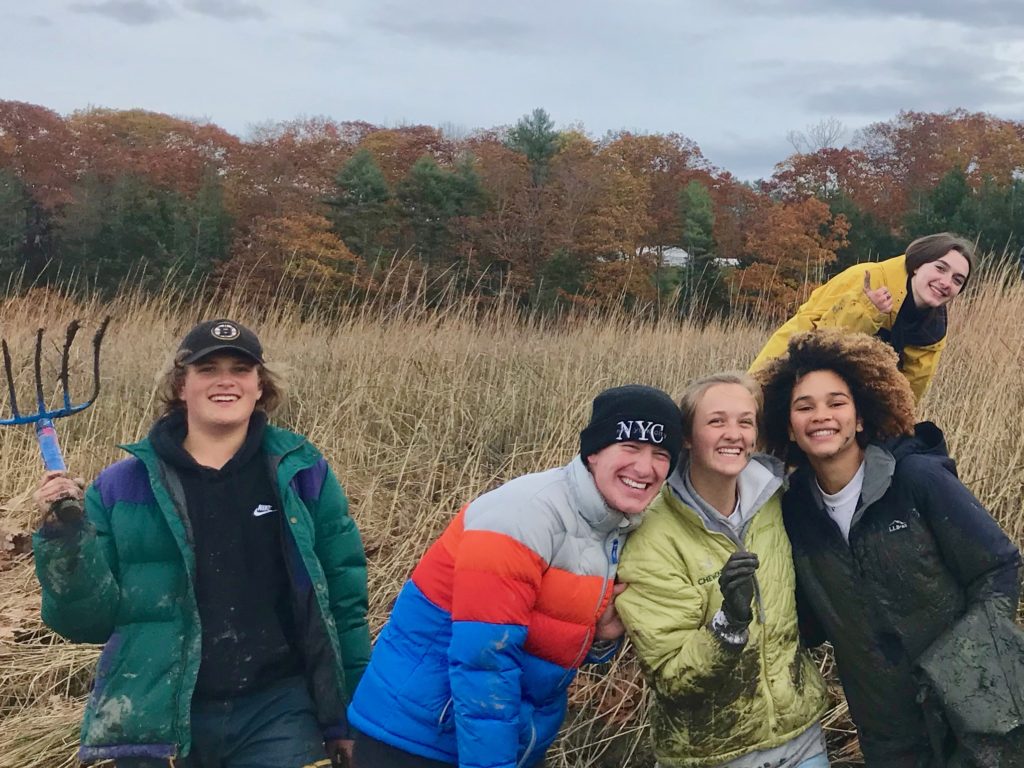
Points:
(124, 578)
(922, 552)
(473, 666)
(714, 702)
(979, 704)
(842, 303)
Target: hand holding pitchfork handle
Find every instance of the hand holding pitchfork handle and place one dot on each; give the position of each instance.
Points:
(66, 509)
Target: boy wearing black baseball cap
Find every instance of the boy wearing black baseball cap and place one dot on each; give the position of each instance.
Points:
(219, 565)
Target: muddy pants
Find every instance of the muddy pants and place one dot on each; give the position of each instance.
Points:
(273, 728)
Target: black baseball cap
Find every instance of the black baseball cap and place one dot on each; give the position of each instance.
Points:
(220, 336)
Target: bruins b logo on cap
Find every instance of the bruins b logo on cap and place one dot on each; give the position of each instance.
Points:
(218, 336)
(225, 331)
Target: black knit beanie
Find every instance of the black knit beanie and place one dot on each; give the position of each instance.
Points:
(633, 413)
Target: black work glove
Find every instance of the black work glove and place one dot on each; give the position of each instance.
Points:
(737, 584)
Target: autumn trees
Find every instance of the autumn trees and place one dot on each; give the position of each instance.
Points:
(322, 210)
(361, 207)
(790, 249)
(915, 174)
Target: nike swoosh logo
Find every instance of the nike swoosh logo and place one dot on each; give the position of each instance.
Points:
(262, 509)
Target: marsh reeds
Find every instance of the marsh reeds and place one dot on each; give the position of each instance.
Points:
(420, 406)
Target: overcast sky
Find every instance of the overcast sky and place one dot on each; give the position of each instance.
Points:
(734, 75)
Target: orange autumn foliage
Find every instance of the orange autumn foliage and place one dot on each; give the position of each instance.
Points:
(297, 255)
(789, 246)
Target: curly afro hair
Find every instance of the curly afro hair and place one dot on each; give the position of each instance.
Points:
(881, 394)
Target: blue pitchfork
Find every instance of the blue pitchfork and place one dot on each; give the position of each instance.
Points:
(43, 416)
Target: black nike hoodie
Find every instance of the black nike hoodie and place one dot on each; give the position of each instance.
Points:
(241, 584)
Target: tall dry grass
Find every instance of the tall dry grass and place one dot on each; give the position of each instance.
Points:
(419, 410)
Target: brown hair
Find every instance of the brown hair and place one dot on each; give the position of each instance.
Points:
(173, 379)
(695, 392)
(934, 247)
(881, 394)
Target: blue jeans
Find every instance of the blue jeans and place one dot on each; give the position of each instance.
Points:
(272, 728)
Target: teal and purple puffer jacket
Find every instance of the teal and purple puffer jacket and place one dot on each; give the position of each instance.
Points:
(124, 577)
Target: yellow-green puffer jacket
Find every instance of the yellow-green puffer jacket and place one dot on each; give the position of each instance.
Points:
(714, 703)
(842, 303)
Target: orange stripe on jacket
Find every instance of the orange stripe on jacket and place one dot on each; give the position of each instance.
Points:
(571, 597)
(564, 643)
(496, 579)
(434, 573)
(562, 626)
(491, 577)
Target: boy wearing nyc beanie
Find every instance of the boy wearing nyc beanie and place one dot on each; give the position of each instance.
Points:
(485, 637)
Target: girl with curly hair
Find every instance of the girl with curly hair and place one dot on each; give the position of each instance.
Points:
(898, 564)
(873, 299)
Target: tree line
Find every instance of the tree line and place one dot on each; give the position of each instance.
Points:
(326, 210)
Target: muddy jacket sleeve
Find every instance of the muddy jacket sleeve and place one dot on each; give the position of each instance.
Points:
(339, 549)
(77, 570)
(974, 548)
(495, 586)
(665, 615)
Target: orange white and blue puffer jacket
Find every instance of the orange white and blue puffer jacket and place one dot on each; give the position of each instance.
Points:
(473, 665)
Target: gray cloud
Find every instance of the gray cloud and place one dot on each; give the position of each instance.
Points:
(226, 10)
(747, 159)
(132, 12)
(926, 79)
(473, 29)
(325, 37)
(735, 76)
(977, 13)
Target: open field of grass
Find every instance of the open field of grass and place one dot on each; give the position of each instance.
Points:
(419, 411)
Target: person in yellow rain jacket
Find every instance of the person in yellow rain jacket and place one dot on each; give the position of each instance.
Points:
(872, 298)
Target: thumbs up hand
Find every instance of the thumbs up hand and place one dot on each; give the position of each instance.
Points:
(880, 297)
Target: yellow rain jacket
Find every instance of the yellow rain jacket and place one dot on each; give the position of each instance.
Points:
(714, 703)
(842, 303)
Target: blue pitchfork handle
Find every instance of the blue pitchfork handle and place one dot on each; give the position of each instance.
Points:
(49, 448)
(67, 510)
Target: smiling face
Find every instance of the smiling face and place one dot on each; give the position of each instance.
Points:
(823, 419)
(724, 432)
(936, 283)
(629, 475)
(220, 391)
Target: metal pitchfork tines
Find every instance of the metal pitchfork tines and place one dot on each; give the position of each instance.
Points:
(43, 417)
